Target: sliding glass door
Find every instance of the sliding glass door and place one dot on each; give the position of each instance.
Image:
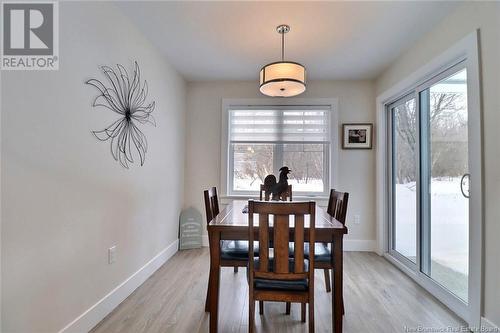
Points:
(444, 181)
(404, 178)
(429, 179)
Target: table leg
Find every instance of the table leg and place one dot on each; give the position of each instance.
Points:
(207, 299)
(337, 249)
(214, 279)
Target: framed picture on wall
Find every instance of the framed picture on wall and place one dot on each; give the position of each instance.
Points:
(357, 136)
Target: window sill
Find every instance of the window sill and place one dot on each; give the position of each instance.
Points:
(322, 201)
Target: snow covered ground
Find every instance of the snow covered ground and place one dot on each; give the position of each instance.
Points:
(449, 222)
(449, 229)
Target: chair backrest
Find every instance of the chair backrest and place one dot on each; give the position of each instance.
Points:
(337, 205)
(266, 196)
(281, 212)
(211, 203)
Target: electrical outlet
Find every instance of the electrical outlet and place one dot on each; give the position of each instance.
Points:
(112, 254)
(357, 219)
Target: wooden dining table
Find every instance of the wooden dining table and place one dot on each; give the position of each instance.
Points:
(232, 224)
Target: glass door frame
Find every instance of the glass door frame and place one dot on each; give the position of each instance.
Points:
(470, 311)
(391, 181)
(466, 48)
(424, 234)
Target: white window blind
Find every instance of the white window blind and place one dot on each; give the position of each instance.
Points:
(288, 125)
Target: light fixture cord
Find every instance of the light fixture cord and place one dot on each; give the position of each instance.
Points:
(282, 46)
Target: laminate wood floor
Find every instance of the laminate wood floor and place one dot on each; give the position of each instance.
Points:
(378, 298)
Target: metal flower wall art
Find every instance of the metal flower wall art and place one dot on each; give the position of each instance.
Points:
(125, 96)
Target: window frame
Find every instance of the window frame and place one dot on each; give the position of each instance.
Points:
(391, 156)
(423, 221)
(331, 149)
(467, 50)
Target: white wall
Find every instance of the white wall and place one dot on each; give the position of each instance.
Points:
(468, 17)
(1, 294)
(356, 167)
(65, 200)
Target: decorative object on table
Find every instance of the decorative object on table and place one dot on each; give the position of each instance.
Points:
(357, 136)
(266, 196)
(125, 96)
(190, 227)
(277, 188)
(283, 78)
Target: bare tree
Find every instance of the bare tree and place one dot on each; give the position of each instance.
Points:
(448, 127)
(257, 162)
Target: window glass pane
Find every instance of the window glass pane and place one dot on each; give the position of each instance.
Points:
(446, 257)
(404, 179)
(263, 139)
(306, 163)
(252, 163)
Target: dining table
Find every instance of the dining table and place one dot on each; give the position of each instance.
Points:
(232, 224)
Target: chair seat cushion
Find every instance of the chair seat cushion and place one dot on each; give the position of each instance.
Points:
(236, 250)
(286, 285)
(321, 252)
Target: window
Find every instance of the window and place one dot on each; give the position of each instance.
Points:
(429, 178)
(262, 139)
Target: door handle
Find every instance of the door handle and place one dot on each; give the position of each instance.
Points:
(462, 182)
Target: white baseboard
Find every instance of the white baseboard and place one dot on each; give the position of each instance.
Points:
(349, 244)
(87, 320)
(360, 245)
(489, 325)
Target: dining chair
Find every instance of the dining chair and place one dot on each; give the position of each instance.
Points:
(273, 275)
(233, 253)
(337, 208)
(266, 196)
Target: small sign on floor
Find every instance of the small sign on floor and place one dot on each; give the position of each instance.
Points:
(190, 229)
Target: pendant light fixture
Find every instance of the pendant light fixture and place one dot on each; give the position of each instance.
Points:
(283, 78)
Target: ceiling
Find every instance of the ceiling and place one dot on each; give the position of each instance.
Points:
(233, 40)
